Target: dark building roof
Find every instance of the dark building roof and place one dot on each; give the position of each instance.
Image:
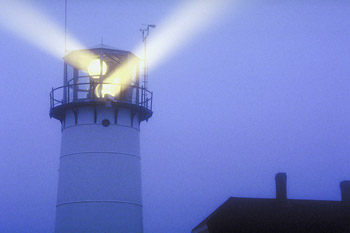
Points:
(278, 215)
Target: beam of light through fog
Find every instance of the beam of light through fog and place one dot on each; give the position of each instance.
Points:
(32, 25)
(184, 24)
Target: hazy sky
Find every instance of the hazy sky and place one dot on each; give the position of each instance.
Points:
(266, 89)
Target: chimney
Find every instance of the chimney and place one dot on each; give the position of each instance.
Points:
(345, 191)
(281, 186)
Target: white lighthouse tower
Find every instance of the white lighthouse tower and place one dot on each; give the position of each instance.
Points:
(100, 106)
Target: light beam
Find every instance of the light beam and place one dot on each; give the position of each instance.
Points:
(182, 26)
(35, 27)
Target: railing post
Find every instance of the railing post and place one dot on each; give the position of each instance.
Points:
(151, 100)
(51, 93)
(68, 93)
(137, 95)
(142, 95)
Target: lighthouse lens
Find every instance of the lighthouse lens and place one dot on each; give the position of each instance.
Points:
(107, 89)
(94, 68)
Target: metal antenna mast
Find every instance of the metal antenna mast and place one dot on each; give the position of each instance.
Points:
(145, 33)
(65, 27)
(65, 81)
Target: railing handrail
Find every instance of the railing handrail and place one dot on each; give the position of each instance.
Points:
(137, 99)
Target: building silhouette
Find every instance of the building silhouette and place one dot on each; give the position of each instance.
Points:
(260, 215)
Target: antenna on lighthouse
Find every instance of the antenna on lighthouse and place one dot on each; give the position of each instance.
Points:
(65, 27)
(145, 33)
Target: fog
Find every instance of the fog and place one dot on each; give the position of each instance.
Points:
(265, 89)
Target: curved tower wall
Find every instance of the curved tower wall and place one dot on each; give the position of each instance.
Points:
(99, 187)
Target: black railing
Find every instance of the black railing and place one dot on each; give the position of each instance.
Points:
(92, 92)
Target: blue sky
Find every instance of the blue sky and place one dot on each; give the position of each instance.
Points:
(264, 90)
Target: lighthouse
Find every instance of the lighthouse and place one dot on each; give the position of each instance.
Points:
(100, 107)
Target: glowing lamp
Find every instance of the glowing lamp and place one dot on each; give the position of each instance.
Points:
(112, 89)
(94, 68)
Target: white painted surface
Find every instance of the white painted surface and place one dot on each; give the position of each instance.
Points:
(99, 187)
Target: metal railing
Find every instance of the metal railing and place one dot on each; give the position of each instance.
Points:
(92, 92)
